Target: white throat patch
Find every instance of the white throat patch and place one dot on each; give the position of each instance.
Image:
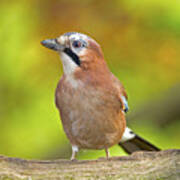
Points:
(69, 65)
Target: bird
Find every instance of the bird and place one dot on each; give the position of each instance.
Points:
(92, 102)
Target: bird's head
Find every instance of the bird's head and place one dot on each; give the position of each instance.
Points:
(78, 52)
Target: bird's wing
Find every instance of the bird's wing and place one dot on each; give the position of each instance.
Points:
(125, 104)
(122, 93)
(131, 142)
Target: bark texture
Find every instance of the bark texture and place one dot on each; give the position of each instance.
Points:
(140, 165)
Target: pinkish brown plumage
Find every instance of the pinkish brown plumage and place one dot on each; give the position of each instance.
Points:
(91, 113)
(89, 103)
(90, 99)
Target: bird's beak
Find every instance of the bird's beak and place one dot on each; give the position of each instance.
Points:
(53, 44)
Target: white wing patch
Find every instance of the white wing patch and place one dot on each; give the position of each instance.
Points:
(128, 135)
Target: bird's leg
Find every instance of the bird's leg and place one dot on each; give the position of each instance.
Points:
(107, 153)
(74, 151)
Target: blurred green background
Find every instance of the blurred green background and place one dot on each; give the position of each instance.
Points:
(141, 43)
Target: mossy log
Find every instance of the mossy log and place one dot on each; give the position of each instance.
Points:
(140, 165)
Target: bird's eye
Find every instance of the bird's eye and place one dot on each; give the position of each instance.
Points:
(77, 44)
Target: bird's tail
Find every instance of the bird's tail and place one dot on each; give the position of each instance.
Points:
(131, 142)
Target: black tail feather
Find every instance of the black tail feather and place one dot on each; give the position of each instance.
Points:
(137, 144)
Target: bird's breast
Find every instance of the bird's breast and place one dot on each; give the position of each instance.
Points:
(91, 117)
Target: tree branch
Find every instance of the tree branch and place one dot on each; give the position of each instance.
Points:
(140, 165)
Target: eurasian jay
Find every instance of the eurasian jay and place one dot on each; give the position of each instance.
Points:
(91, 100)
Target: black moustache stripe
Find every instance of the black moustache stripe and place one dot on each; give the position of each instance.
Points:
(74, 57)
